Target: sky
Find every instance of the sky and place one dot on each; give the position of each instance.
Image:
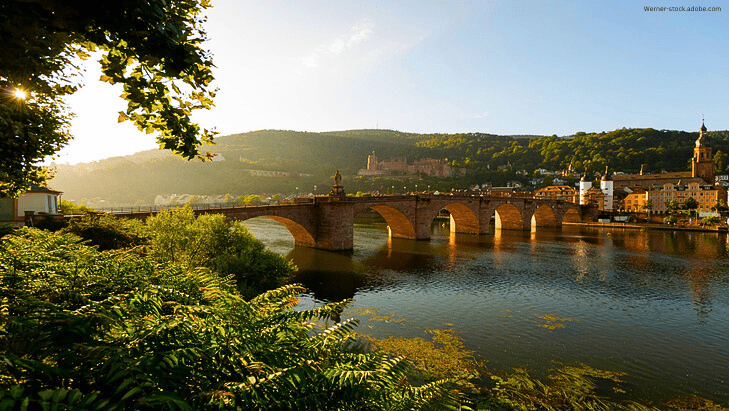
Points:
(498, 67)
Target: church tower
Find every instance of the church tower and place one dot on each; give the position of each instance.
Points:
(702, 164)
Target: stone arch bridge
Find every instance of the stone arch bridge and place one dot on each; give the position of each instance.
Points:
(328, 222)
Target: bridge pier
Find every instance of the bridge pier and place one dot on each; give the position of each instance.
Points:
(335, 228)
(423, 219)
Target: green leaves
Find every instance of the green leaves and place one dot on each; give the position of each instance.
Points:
(211, 241)
(147, 46)
(84, 329)
(576, 387)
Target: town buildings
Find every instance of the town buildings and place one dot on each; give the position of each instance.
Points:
(654, 192)
(702, 169)
(560, 192)
(649, 192)
(635, 200)
(706, 195)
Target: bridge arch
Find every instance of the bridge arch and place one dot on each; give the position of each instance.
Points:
(544, 216)
(508, 217)
(301, 235)
(463, 218)
(399, 224)
(572, 215)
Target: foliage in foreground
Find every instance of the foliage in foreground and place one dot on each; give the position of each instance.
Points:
(81, 328)
(209, 240)
(108, 232)
(442, 357)
(566, 387)
(178, 236)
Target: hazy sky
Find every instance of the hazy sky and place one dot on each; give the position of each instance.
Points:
(500, 67)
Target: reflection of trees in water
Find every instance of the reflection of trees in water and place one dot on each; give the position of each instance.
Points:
(700, 282)
(684, 243)
(330, 276)
(329, 285)
(657, 259)
(628, 263)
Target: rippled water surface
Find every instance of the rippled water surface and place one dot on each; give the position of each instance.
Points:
(654, 304)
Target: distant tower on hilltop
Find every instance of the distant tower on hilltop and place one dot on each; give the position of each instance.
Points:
(702, 164)
(372, 162)
(606, 185)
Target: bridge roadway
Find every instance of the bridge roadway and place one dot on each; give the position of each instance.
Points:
(328, 222)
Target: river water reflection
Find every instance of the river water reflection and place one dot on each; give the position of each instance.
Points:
(653, 304)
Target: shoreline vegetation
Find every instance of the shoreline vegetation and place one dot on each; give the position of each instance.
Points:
(654, 226)
(185, 312)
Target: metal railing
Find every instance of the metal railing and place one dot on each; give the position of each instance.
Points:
(302, 200)
(157, 208)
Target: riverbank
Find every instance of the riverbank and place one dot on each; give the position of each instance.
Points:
(655, 226)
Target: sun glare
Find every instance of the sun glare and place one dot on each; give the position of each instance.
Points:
(20, 94)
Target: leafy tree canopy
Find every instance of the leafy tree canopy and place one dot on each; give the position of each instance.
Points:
(691, 203)
(151, 47)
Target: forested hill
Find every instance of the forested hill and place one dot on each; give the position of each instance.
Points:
(622, 150)
(140, 177)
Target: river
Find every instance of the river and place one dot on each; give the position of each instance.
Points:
(653, 304)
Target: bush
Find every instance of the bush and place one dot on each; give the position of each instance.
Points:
(211, 241)
(70, 208)
(6, 229)
(50, 223)
(83, 329)
(108, 232)
(710, 220)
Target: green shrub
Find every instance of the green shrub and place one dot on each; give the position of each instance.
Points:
(83, 329)
(211, 241)
(50, 223)
(710, 220)
(6, 229)
(107, 231)
(70, 208)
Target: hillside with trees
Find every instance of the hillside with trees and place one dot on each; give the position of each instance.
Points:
(311, 160)
(622, 150)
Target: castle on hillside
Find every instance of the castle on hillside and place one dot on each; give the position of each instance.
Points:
(400, 167)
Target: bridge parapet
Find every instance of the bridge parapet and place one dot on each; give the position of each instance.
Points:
(327, 222)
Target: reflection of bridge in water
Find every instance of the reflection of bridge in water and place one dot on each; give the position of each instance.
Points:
(328, 222)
